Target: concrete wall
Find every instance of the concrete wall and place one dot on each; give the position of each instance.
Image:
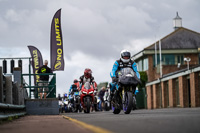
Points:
(8, 88)
(12, 92)
(47, 106)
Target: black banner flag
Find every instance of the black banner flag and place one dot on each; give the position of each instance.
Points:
(57, 59)
(37, 61)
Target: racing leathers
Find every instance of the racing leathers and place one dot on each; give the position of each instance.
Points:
(73, 88)
(83, 80)
(118, 65)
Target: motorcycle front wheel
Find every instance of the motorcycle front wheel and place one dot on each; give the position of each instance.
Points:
(106, 106)
(128, 102)
(87, 105)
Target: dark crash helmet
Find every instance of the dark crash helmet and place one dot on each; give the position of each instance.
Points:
(75, 80)
(88, 73)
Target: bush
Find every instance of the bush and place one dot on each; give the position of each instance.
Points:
(143, 78)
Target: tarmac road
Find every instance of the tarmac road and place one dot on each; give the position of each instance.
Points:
(170, 120)
(41, 124)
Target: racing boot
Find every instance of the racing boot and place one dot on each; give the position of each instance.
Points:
(112, 91)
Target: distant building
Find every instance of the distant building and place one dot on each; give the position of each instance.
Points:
(169, 82)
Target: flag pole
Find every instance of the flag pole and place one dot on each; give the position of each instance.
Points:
(160, 59)
(155, 55)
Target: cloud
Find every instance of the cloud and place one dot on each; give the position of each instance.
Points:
(104, 31)
(75, 67)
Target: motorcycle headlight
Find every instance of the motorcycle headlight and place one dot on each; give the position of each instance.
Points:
(84, 92)
(91, 92)
(129, 75)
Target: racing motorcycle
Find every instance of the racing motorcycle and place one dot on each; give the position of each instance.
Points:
(76, 101)
(106, 101)
(123, 97)
(87, 96)
(95, 101)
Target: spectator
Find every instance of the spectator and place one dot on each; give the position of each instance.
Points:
(101, 95)
(44, 79)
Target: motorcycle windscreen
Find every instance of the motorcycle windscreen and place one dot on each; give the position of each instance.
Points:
(87, 85)
(127, 77)
(128, 80)
(126, 71)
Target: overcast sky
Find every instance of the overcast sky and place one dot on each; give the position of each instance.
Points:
(94, 31)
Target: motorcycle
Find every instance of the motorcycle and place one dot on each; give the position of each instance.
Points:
(123, 97)
(76, 102)
(69, 106)
(95, 101)
(63, 105)
(106, 101)
(87, 96)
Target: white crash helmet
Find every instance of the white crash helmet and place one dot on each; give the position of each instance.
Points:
(125, 53)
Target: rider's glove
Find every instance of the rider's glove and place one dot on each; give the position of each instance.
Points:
(114, 79)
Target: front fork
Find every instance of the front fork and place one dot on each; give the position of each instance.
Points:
(123, 93)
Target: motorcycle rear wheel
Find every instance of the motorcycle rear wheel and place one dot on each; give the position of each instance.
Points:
(106, 107)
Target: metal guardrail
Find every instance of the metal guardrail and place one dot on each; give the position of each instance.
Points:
(32, 88)
(11, 98)
(10, 110)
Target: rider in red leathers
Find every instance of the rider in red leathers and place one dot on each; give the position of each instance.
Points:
(87, 77)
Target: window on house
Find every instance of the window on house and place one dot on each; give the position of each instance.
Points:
(143, 64)
(168, 59)
(179, 59)
(199, 58)
(146, 64)
(139, 65)
(154, 60)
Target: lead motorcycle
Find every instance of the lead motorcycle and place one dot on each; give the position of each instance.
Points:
(87, 96)
(123, 97)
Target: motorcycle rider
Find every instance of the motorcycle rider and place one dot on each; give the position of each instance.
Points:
(73, 88)
(101, 95)
(87, 77)
(124, 62)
